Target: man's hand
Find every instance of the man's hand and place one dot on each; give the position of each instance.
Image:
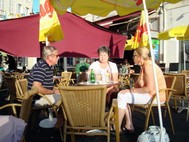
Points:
(56, 91)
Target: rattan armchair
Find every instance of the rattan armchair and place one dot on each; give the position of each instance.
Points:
(146, 109)
(10, 83)
(17, 75)
(181, 91)
(67, 78)
(21, 88)
(84, 110)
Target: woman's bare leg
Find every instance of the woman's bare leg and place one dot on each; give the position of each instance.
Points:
(121, 114)
(128, 118)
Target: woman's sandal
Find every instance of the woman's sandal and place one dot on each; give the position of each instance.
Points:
(126, 131)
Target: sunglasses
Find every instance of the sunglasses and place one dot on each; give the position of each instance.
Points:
(134, 56)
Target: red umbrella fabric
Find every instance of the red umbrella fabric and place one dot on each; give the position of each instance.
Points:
(19, 37)
(83, 38)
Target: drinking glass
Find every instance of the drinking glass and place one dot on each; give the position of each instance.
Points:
(99, 78)
(108, 77)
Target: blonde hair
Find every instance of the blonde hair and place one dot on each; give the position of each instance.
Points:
(143, 52)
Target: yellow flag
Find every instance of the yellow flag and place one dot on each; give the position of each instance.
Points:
(49, 24)
(141, 35)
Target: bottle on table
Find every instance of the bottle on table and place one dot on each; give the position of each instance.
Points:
(92, 76)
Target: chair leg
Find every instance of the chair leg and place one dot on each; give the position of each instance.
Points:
(187, 112)
(65, 130)
(147, 119)
(165, 113)
(108, 135)
(72, 138)
(175, 103)
(58, 121)
(152, 113)
(117, 124)
(171, 120)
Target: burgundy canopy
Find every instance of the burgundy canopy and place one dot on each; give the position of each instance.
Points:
(19, 37)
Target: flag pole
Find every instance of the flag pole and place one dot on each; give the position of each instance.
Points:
(154, 71)
(47, 41)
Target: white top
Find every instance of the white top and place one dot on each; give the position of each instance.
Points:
(112, 68)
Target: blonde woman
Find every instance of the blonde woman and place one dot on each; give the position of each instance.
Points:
(143, 90)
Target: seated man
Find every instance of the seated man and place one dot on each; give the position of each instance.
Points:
(41, 75)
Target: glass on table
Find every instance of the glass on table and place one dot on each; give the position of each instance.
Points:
(99, 78)
(108, 76)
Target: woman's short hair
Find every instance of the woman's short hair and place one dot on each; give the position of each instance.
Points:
(104, 49)
(47, 50)
(143, 52)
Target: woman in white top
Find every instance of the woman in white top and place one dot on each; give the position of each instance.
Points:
(107, 69)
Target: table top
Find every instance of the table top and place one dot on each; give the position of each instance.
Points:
(124, 74)
(108, 84)
(57, 77)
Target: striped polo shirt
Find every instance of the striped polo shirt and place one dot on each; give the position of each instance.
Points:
(43, 73)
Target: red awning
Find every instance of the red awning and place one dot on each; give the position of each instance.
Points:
(19, 37)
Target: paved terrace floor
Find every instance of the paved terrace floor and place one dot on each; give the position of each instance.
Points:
(38, 134)
(181, 128)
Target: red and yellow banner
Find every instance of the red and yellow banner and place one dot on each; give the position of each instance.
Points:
(141, 35)
(49, 24)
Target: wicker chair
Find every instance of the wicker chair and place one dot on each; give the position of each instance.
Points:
(146, 109)
(181, 91)
(10, 83)
(186, 72)
(17, 75)
(84, 110)
(21, 88)
(25, 107)
(66, 78)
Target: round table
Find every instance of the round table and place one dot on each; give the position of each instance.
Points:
(108, 84)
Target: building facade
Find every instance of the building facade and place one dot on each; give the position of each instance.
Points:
(15, 8)
(173, 50)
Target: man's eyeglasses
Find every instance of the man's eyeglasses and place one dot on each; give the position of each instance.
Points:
(57, 56)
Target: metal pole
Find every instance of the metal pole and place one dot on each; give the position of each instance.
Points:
(184, 55)
(154, 71)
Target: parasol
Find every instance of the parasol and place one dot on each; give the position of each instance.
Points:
(178, 32)
(104, 7)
